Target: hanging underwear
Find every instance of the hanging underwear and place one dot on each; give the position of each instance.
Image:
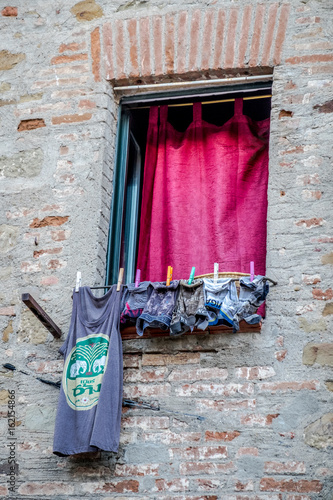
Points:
(190, 308)
(157, 313)
(252, 294)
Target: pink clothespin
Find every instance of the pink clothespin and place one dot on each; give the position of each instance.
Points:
(137, 278)
(251, 270)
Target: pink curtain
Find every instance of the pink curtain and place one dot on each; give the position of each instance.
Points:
(204, 196)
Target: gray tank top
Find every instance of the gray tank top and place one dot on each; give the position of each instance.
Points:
(90, 402)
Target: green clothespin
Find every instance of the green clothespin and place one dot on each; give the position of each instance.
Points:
(191, 275)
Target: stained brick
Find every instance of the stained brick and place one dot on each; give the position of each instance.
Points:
(144, 30)
(221, 436)
(309, 223)
(199, 453)
(206, 50)
(255, 419)
(9, 12)
(272, 13)
(147, 423)
(231, 39)
(281, 32)
(7, 311)
(119, 47)
(225, 405)
(69, 59)
(31, 124)
(72, 47)
(319, 294)
(310, 59)
(96, 54)
(311, 385)
(255, 372)
(168, 437)
(254, 452)
(243, 42)
(219, 38)
(157, 33)
(147, 390)
(132, 375)
(181, 47)
(170, 43)
(198, 374)
(177, 484)
(215, 389)
(136, 470)
(58, 120)
(193, 468)
(50, 220)
(285, 468)
(108, 51)
(170, 359)
(257, 35)
(302, 486)
(194, 40)
(133, 47)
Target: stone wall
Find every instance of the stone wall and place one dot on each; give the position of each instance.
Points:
(265, 397)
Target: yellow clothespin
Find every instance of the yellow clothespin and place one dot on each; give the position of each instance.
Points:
(169, 276)
(120, 278)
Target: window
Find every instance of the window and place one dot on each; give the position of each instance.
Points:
(218, 106)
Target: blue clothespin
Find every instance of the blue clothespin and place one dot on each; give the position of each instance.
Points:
(191, 275)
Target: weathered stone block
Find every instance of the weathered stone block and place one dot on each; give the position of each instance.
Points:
(319, 434)
(8, 237)
(328, 309)
(318, 353)
(9, 60)
(315, 326)
(87, 10)
(31, 330)
(23, 164)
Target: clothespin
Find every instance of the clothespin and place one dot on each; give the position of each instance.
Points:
(191, 275)
(251, 270)
(137, 278)
(120, 278)
(216, 272)
(78, 281)
(169, 276)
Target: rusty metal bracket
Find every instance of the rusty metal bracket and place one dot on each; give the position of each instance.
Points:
(39, 312)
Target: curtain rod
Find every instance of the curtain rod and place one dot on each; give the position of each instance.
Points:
(216, 81)
(207, 102)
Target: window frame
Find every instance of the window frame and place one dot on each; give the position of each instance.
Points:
(121, 158)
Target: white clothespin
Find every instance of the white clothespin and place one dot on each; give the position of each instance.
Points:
(78, 281)
(120, 278)
(216, 272)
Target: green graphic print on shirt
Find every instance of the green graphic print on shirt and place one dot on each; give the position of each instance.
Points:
(84, 370)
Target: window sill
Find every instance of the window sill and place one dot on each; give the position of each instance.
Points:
(129, 333)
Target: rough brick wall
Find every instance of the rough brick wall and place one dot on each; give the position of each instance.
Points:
(266, 398)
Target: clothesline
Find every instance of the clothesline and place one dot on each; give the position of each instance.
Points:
(210, 102)
(265, 278)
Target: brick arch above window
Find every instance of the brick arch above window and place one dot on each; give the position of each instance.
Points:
(206, 42)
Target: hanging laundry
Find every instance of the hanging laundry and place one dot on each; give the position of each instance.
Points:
(252, 294)
(90, 402)
(157, 313)
(220, 300)
(134, 300)
(190, 308)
